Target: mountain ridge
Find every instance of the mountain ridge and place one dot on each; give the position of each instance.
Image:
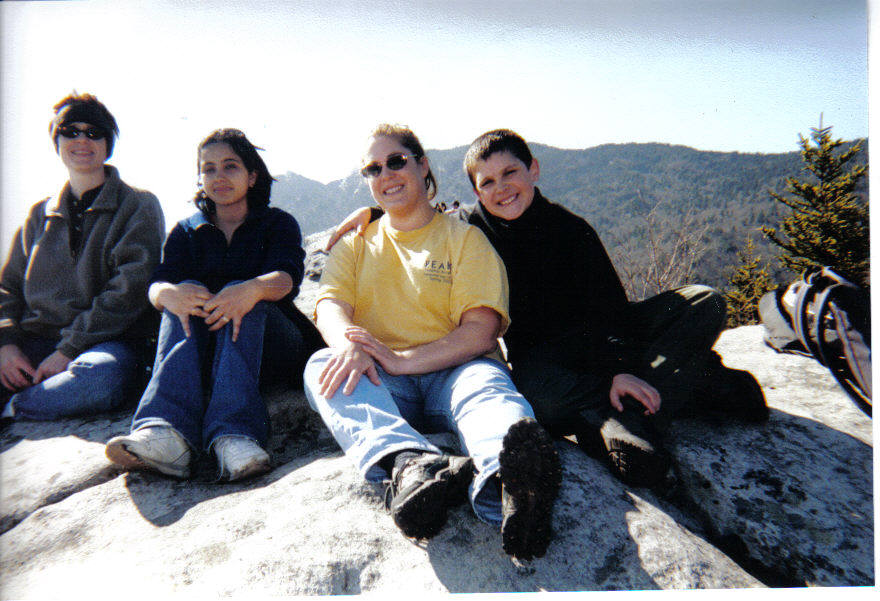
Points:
(623, 190)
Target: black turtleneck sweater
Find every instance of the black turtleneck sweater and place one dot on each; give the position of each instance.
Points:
(561, 278)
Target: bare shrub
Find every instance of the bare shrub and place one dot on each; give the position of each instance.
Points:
(661, 252)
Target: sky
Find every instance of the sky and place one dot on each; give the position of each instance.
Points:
(308, 80)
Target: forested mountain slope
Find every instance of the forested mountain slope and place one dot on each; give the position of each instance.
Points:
(637, 196)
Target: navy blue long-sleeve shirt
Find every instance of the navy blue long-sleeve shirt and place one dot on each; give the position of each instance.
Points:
(268, 240)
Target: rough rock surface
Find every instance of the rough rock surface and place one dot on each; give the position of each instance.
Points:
(787, 503)
(796, 493)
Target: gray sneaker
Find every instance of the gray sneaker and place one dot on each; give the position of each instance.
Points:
(239, 457)
(158, 448)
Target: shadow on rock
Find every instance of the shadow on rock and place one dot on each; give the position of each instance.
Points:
(607, 537)
(467, 557)
(43, 463)
(98, 428)
(792, 497)
(297, 438)
(163, 501)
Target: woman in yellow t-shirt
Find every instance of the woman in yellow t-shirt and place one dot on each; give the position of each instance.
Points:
(416, 304)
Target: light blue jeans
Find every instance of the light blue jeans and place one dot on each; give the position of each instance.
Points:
(98, 380)
(477, 401)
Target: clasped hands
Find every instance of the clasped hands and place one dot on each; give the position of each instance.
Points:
(229, 305)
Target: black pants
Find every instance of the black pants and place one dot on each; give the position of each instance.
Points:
(671, 339)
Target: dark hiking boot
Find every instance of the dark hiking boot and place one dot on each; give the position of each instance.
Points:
(586, 428)
(421, 490)
(530, 479)
(633, 449)
(627, 442)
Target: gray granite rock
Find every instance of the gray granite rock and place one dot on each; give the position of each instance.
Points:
(42, 463)
(794, 494)
(790, 500)
(312, 526)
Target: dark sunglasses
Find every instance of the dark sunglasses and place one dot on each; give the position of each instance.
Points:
(395, 162)
(92, 133)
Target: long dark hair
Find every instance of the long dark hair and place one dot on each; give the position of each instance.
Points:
(258, 194)
(406, 138)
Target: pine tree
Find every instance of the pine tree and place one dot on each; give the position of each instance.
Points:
(748, 283)
(828, 223)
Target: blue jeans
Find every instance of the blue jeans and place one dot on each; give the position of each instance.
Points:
(476, 400)
(98, 380)
(204, 400)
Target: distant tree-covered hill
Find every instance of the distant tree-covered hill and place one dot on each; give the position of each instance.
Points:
(632, 194)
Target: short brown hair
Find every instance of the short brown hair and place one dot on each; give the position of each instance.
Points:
(406, 138)
(497, 140)
(84, 108)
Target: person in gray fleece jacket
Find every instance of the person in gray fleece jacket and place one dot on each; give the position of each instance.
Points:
(74, 316)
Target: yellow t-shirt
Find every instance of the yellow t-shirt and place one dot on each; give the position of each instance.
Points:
(411, 288)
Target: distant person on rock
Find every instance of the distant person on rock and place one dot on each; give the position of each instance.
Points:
(415, 305)
(74, 319)
(590, 362)
(225, 287)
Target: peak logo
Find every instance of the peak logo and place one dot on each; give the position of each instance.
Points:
(439, 271)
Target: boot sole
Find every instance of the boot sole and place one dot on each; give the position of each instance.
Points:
(118, 453)
(423, 512)
(531, 474)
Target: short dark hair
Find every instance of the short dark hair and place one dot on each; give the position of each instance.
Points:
(497, 140)
(84, 108)
(406, 138)
(258, 194)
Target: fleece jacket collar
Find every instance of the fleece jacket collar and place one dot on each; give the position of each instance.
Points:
(108, 199)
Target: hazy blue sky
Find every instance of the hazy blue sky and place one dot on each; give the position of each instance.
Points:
(308, 80)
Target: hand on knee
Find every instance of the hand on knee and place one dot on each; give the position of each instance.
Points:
(230, 305)
(54, 364)
(180, 300)
(16, 371)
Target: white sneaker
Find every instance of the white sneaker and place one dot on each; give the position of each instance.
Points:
(158, 448)
(239, 457)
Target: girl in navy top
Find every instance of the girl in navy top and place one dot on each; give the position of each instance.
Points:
(226, 286)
